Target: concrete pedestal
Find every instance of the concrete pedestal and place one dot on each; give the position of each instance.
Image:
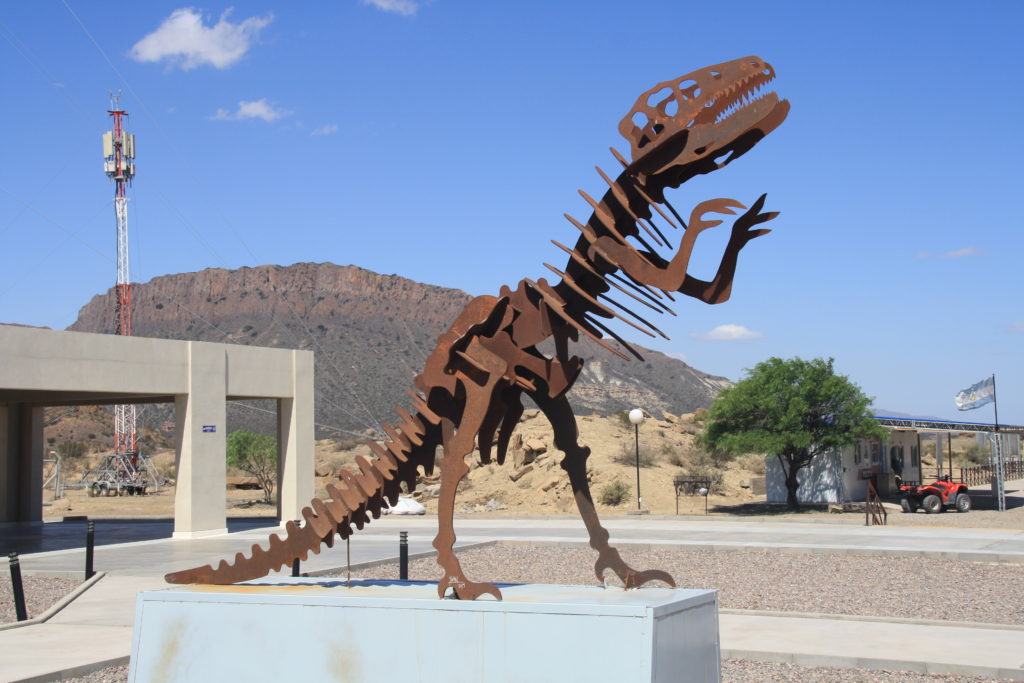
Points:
(321, 630)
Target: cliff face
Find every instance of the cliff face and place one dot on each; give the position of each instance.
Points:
(370, 333)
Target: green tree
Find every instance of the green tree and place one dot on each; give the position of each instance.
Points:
(793, 409)
(255, 454)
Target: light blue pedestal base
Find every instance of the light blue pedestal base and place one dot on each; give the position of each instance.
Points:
(317, 630)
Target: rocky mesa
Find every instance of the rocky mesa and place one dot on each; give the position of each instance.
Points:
(371, 334)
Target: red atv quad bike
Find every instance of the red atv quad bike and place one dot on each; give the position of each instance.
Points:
(935, 497)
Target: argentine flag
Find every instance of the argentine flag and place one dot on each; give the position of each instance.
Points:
(976, 395)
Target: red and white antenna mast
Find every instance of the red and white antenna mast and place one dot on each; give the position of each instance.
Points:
(119, 165)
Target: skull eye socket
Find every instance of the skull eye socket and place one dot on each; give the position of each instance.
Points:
(716, 74)
(659, 96)
(640, 120)
(688, 89)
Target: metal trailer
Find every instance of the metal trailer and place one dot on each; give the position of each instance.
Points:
(120, 474)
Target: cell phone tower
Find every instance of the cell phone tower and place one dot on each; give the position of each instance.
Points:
(119, 165)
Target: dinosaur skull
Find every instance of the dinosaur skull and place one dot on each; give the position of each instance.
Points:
(701, 121)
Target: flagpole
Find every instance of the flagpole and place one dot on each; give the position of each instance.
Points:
(1000, 483)
(995, 402)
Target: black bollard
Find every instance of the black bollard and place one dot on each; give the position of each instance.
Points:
(19, 590)
(295, 562)
(403, 555)
(90, 538)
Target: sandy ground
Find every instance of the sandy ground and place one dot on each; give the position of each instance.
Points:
(531, 483)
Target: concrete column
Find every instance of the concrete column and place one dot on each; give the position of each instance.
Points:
(201, 443)
(295, 441)
(21, 463)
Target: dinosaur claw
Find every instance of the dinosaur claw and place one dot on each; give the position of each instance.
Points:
(465, 589)
(637, 579)
(472, 590)
(721, 206)
(629, 576)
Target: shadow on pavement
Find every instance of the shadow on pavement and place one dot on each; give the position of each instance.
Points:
(38, 538)
(767, 509)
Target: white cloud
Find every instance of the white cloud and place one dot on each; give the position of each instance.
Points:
(182, 39)
(257, 109)
(406, 8)
(1016, 327)
(325, 130)
(966, 251)
(727, 333)
(957, 253)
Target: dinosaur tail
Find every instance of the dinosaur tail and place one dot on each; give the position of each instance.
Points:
(354, 498)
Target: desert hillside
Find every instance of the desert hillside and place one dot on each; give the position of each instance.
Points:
(529, 482)
(370, 333)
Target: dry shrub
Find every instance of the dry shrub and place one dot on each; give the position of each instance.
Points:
(627, 456)
(615, 493)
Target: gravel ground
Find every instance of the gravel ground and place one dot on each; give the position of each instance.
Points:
(745, 671)
(40, 594)
(977, 519)
(733, 671)
(835, 584)
(876, 586)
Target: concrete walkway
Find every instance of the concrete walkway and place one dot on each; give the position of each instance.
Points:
(380, 540)
(95, 630)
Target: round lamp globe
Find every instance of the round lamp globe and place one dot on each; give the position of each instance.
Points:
(636, 416)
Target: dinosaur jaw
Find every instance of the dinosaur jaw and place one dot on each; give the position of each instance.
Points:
(707, 119)
(735, 133)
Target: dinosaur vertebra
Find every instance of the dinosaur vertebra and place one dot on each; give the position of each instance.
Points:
(471, 385)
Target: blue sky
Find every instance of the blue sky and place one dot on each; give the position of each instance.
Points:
(443, 140)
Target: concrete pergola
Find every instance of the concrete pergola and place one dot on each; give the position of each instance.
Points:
(41, 368)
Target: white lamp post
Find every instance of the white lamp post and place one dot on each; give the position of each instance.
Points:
(636, 416)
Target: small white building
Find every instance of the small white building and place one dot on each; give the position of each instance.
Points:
(841, 476)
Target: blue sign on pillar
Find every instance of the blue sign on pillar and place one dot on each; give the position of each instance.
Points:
(209, 429)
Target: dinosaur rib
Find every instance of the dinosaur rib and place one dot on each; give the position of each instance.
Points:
(567, 279)
(577, 258)
(623, 200)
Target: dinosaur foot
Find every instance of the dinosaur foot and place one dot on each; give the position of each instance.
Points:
(465, 589)
(631, 578)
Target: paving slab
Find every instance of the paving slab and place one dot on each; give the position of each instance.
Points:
(935, 647)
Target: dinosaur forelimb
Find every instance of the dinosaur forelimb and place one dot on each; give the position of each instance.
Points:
(719, 289)
(673, 276)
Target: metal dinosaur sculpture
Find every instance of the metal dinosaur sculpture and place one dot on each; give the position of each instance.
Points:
(471, 387)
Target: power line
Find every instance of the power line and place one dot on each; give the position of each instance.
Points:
(216, 208)
(315, 424)
(31, 207)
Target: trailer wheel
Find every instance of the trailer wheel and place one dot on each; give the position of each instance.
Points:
(93, 490)
(963, 502)
(931, 503)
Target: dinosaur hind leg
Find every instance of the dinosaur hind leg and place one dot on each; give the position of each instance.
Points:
(453, 468)
(563, 423)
